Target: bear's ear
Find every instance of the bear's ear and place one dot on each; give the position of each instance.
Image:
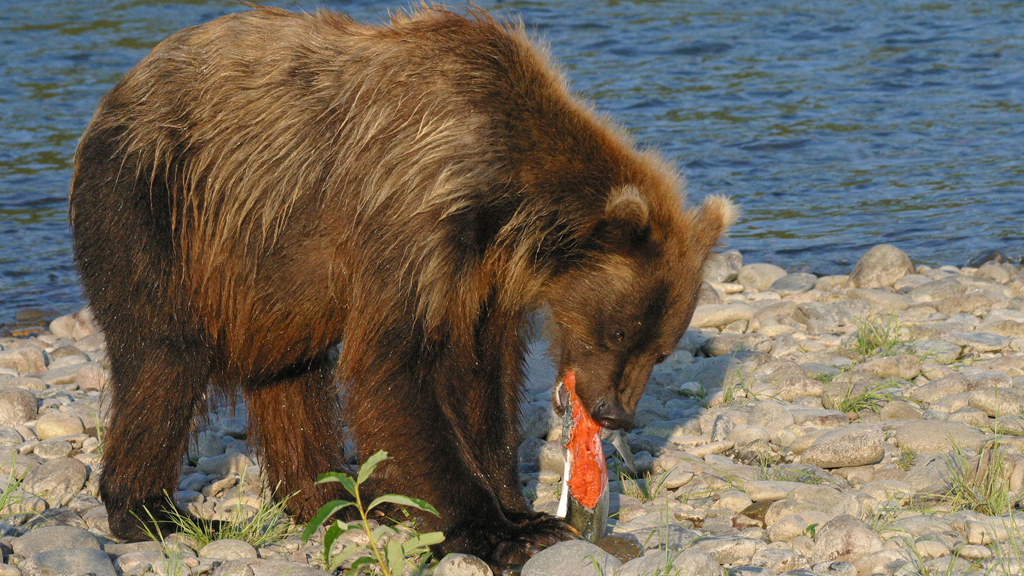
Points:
(626, 213)
(716, 214)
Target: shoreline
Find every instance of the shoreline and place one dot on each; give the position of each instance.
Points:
(804, 425)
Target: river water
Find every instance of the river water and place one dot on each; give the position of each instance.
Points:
(836, 124)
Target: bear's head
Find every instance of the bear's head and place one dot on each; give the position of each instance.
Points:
(622, 307)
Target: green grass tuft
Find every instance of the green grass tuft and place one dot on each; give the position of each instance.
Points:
(878, 338)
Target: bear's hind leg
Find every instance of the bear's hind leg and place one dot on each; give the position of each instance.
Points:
(295, 421)
(159, 385)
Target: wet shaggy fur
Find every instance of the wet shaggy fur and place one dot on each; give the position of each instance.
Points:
(268, 185)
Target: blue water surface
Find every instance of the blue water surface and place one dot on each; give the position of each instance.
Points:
(836, 124)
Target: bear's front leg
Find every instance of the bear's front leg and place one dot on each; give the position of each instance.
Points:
(414, 408)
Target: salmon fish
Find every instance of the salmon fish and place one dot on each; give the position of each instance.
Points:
(584, 500)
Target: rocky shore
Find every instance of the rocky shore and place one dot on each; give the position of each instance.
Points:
(870, 423)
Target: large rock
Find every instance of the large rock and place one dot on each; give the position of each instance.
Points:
(56, 424)
(688, 562)
(24, 360)
(723, 266)
(69, 561)
(855, 445)
(827, 317)
(17, 406)
(905, 367)
(57, 480)
(572, 558)
(759, 277)
(997, 402)
(718, 315)
(75, 326)
(228, 549)
(881, 267)
(54, 538)
(844, 539)
(795, 283)
(937, 436)
(462, 565)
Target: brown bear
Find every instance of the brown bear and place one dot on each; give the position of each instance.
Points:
(267, 186)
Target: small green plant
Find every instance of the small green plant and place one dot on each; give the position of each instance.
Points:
(879, 338)
(173, 565)
(826, 377)
(782, 473)
(12, 495)
(388, 552)
(811, 530)
(980, 486)
(270, 523)
(647, 488)
(907, 458)
(870, 399)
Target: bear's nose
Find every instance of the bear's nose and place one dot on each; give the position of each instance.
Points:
(611, 415)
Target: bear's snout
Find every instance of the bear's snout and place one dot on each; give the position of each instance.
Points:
(612, 415)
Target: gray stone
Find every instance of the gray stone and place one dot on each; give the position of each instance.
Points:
(835, 569)
(224, 464)
(938, 350)
(242, 567)
(535, 418)
(572, 558)
(462, 565)
(56, 424)
(937, 436)
(285, 568)
(1007, 328)
(988, 379)
(855, 445)
(550, 458)
(57, 480)
(997, 402)
(954, 383)
(725, 343)
(722, 428)
(730, 549)
(795, 283)
(53, 448)
(723, 266)
(228, 549)
(844, 539)
(881, 267)
(980, 341)
(881, 300)
(71, 561)
(759, 277)
(54, 538)
(17, 406)
(905, 367)
(9, 436)
(24, 360)
(139, 562)
(968, 303)
(688, 562)
(770, 415)
(92, 376)
(938, 290)
(829, 317)
(719, 315)
(75, 326)
(820, 419)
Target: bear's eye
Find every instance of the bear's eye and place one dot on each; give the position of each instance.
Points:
(619, 335)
